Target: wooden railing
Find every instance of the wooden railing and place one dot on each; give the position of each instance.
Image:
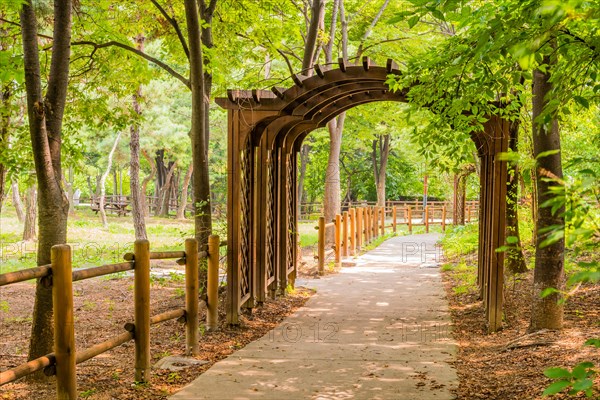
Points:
(311, 211)
(59, 274)
(360, 226)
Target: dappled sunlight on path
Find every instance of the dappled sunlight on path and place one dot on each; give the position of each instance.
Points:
(378, 330)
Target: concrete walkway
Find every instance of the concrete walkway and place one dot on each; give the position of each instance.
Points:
(377, 330)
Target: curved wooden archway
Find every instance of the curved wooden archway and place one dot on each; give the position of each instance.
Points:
(265, 132)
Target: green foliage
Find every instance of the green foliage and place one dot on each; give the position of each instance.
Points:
(578, 380)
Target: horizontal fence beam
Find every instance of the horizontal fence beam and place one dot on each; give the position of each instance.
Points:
(87, 273)
(25, 275)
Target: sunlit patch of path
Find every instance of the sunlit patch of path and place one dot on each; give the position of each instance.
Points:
(377, 330)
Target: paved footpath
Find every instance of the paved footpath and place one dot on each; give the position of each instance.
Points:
(377, 330)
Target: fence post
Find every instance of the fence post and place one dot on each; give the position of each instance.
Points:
(191, 297)
(427, 219)
(352, 231)
(141, 292)
(383, 221)
(359, 227)
(338, 248)
(394, 216)
(64, 329)
(321, 249)
(368, 230)
(375, 222)
(212, 289)
(444, 218)
(345, 235)
(409, 219)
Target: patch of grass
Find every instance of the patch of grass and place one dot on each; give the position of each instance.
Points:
(309, 236)
(460, 242)
(4, 307)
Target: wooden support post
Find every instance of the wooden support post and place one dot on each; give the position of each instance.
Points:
(338, 238)
(64, 328)
(321, 249)
(352, 231)
(375, 222)
(394, 216)
(444, 218)
(369, 221)
(468, 213)
(345, 235)
(383, 221)
(212, 314)
(427, 219)
(192, 346)
(409, 219)
(359, 227)
(141, 293)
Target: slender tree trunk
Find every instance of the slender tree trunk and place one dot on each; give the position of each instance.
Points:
(30, 214)
(332, 200)
(198, 134)
(515, 260)
(137, 198)
(546, 313)
(380, 166)
(304, 151)
(5, 95)
(45, 114)
(101, 210)
(166, 194)
(184, 192)
(144, 190)
(17, 203)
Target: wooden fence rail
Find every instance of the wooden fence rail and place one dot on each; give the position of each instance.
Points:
(62, 362)
(360, 226)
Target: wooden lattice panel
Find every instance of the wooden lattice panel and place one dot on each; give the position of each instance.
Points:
(270, 237)
(245, 219)
(291, 204)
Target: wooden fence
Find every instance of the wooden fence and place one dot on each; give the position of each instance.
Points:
(59, 274)
(311, 211)
(360, 226)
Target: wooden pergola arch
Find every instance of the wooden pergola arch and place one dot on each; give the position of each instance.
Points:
(265, 132)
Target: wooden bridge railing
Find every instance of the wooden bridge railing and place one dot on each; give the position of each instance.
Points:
(360, 226)
(59, 274)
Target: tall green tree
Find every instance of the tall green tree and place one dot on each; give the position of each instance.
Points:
(45, 111)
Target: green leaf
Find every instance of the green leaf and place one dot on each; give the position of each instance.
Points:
(548, 291)
(582, 101)
(556, 387)
(412, 21)
(512, 239)
(557, 373)
(593, 342)
(438, 14)
(583, 385)
(401, 16)
(547, 153)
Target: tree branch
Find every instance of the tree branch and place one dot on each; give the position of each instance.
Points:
(153, 60)
(175, 26)
(287, 61)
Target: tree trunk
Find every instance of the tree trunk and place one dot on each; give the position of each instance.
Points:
(332, 200)
(546, 313)
(16, 198)
(45, 114)
(198, 134)
(304, 151)
(165, 197)
(144, 190)
(184, 192)
(5, 95)
(137, 198)
(515, 260)
(30, 214)
(161, 178)
(101, 210)
(380, 166)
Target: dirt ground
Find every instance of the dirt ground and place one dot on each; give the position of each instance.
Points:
(510, 364)
(102, 307)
